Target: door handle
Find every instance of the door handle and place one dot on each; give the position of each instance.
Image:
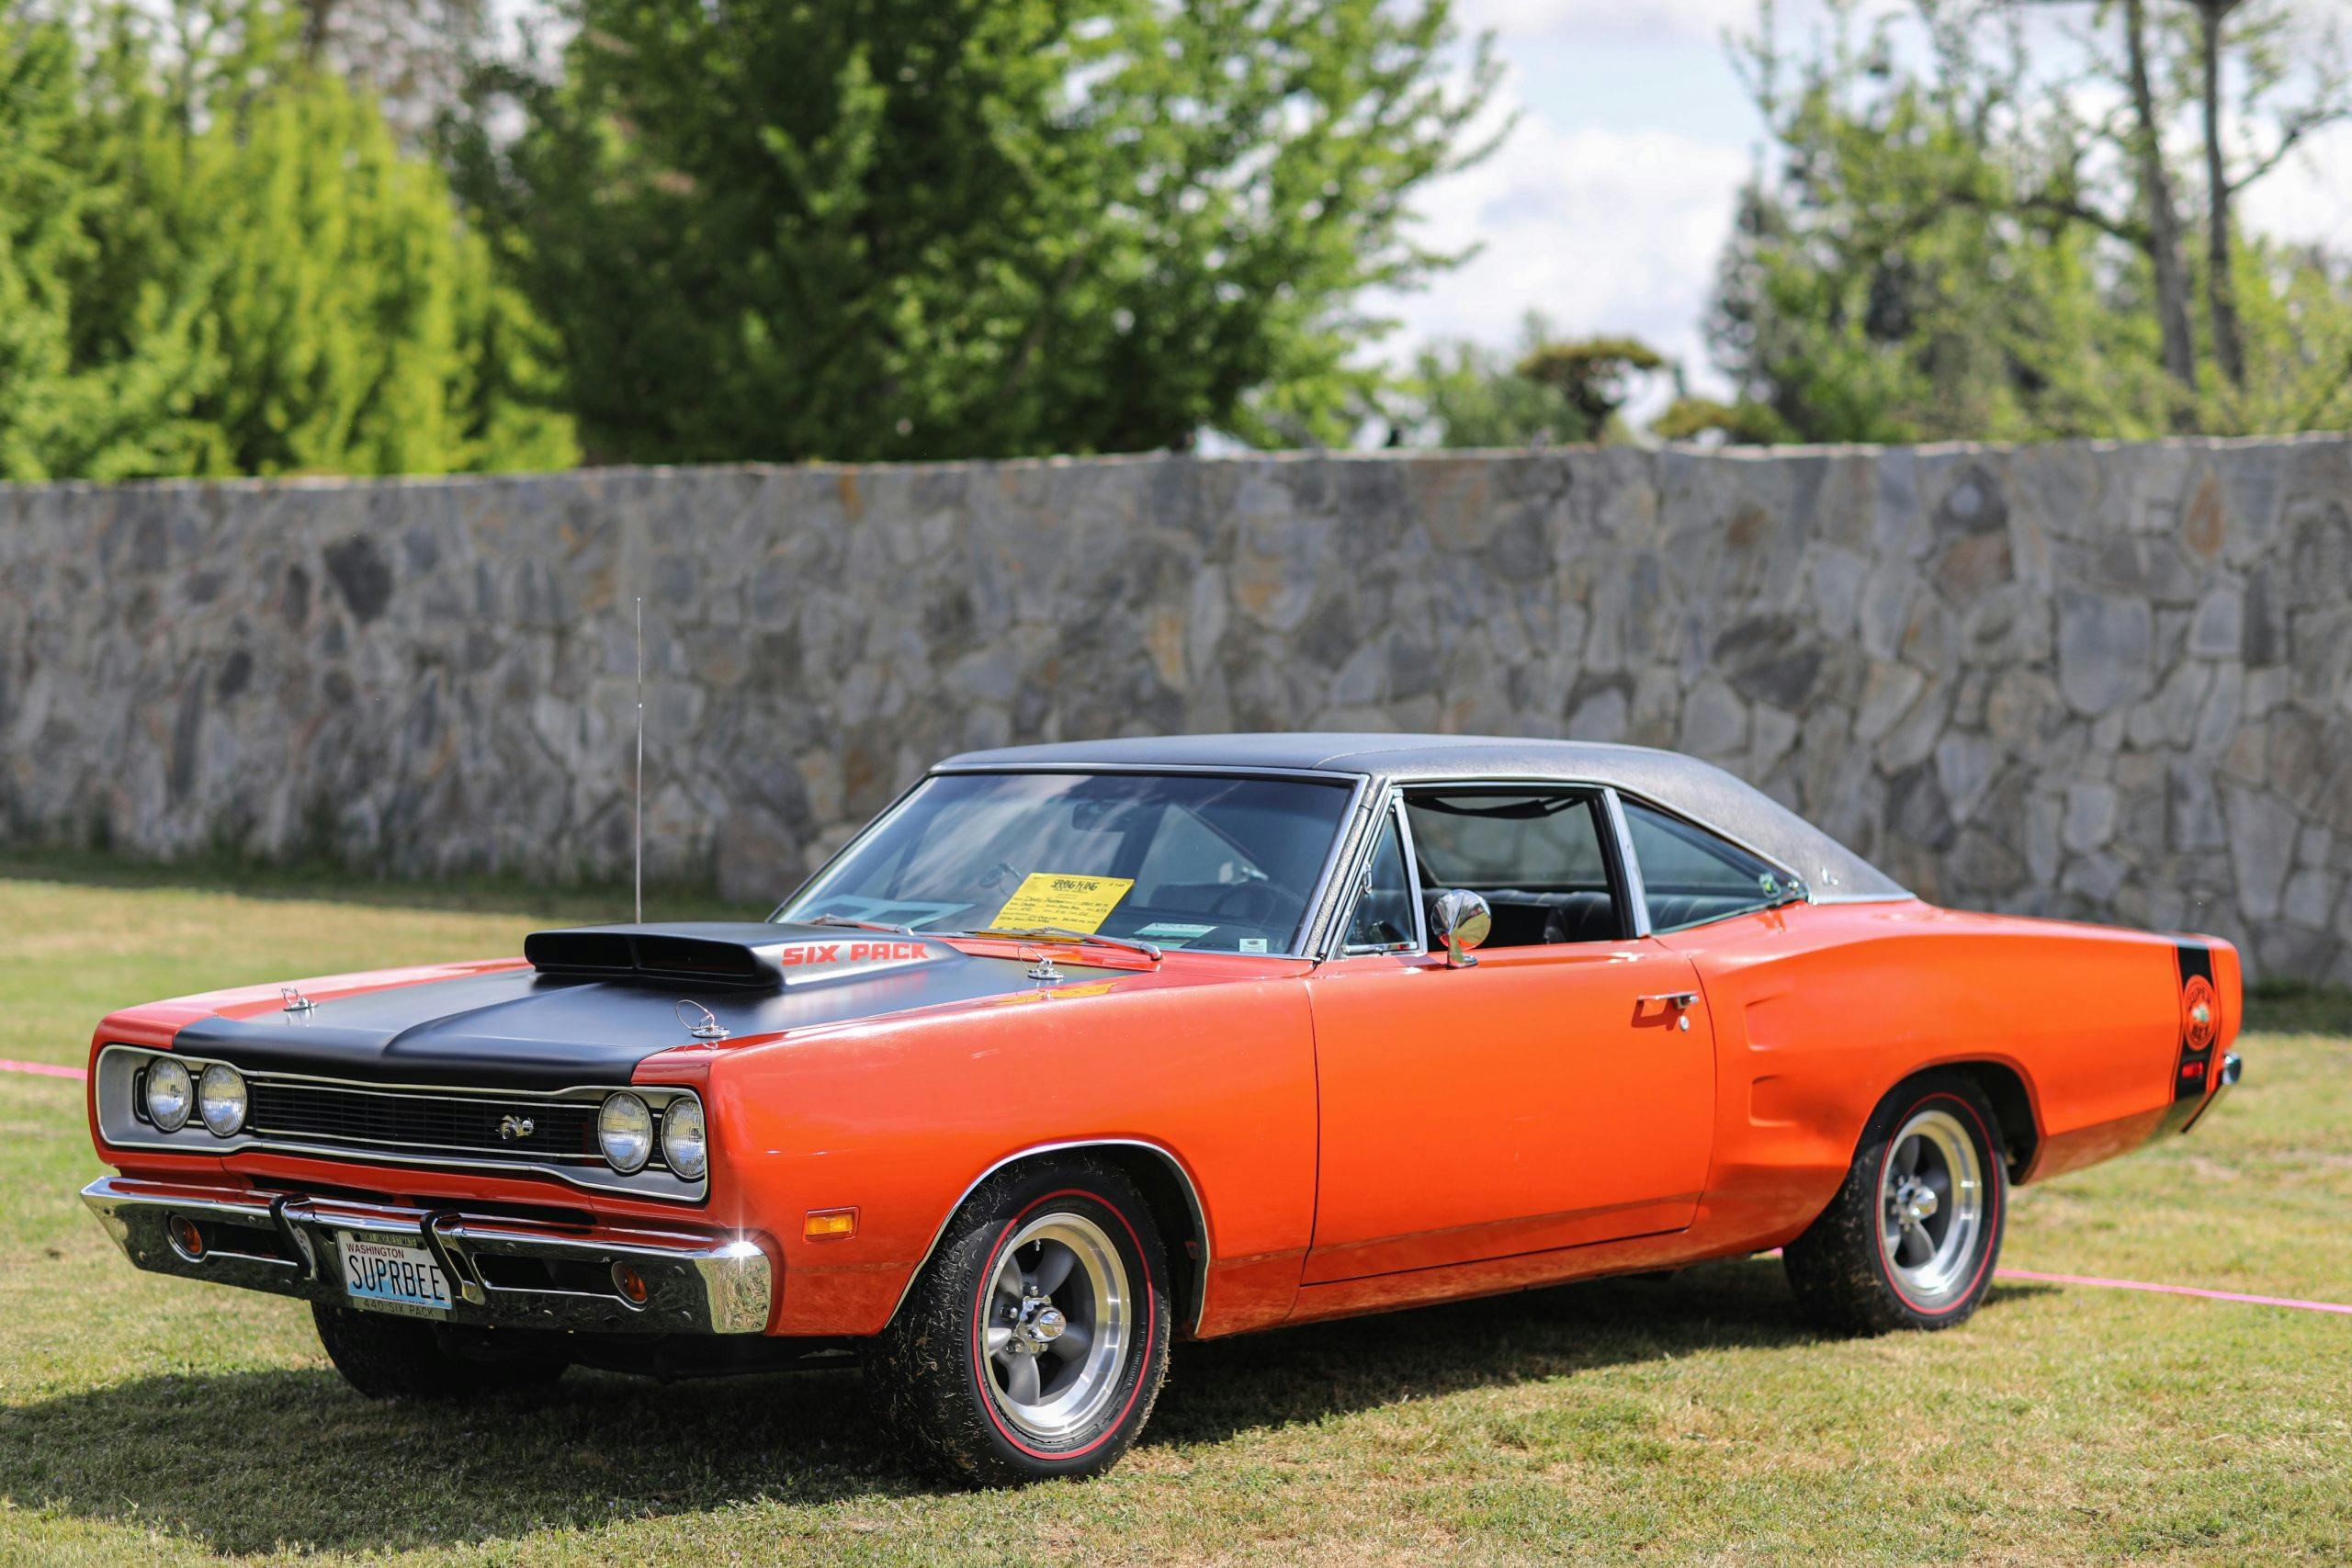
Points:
(1678, 1003)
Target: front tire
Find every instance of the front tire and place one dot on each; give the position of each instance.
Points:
(1034, 1342)
(1912, 1237)
(402, 1358)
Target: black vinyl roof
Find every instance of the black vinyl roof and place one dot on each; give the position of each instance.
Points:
(1684, 785)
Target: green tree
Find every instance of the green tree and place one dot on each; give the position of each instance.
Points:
(100, 361)
(1948, 244)
(1551, 390)
(214, 259)
(1895, 282)
(361, 326)
(947, 228)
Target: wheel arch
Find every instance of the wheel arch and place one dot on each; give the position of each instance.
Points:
(1167, 1186)
(2010, 1093)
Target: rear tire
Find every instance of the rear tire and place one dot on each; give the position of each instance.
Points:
(1034, 1342)
(386, 1357)
(1912, 1236)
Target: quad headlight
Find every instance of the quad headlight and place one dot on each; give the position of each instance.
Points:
(625, 1131)
(683, 1145)
(170, 1095)
(220, 1099)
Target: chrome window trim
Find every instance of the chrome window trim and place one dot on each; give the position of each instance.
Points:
(1392, 813)
(1624, 879)
(1649, 804)
(121, 1126)
(1638, 898)
(1520, 782)
(1356, 845)
(1167, 1157)
(1302, 939)
(1412, 869)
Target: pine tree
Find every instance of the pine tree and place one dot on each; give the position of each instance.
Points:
(231, 267)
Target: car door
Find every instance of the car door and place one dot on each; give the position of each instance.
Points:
(1557, 1092)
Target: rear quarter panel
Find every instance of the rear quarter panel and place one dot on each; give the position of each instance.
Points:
(1819, 1010)
(899, 1118)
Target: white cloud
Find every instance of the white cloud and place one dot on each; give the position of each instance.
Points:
(1609, 206)
(1602, 230)
(2308, 197)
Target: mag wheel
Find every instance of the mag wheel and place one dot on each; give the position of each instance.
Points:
(1034, 1343)
(1910, 1240)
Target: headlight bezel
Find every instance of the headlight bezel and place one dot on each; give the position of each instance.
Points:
(222, 1074)
(161, 1122)
(684, 1108)
(619, 1105)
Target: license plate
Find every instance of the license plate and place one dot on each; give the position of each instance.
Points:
(399, 1276)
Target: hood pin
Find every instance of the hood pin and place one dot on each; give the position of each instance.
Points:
(702, 1023)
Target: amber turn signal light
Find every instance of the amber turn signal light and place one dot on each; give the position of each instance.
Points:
(186, 1240)
(630, 1284)
(830, 1224)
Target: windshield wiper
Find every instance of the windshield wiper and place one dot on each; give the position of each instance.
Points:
(857, 925)
(1063, 933)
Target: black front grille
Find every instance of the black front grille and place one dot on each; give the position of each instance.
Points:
(482, 1127)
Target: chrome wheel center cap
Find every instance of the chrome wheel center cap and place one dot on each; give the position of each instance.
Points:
(1040, 1324)
(1914, 1202)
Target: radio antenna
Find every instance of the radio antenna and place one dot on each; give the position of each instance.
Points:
(640, 793)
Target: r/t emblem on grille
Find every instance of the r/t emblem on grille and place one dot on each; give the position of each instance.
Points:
(511, 1128)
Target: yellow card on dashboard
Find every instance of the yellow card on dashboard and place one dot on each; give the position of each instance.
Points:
(1056, 898)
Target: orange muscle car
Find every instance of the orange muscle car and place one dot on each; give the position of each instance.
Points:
(1082, 1049)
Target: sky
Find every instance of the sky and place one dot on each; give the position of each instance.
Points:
(1608, 204)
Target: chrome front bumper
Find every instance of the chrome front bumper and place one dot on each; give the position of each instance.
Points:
(502, 1272)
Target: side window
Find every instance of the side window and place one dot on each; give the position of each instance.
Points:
(1690, 876)
(1534, 856)
(1383, 921)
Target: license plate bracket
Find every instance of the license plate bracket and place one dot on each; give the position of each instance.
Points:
(387, 1276)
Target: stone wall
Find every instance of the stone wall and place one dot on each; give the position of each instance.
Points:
(2103, 681)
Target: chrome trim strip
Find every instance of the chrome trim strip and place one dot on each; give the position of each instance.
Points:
(664, 1092)
(1638, 898)
(1303, 938)
(120, 1127)
(700, 1283)
(1184, 1177)
(1391, 815)
(1412, 869)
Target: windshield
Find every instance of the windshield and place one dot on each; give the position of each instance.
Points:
(1193, 860)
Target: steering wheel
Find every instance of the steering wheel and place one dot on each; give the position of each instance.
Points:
(1246, 903)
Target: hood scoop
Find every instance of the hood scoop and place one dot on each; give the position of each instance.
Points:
(745, 956)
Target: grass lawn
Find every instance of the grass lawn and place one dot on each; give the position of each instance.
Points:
(146, 1420)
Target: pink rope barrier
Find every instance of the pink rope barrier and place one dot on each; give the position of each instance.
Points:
(2172, 1290)
(42, 1069)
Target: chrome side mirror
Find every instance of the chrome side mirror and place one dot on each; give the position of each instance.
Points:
(1463, 922)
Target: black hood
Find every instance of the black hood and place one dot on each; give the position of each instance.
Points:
(602, 999)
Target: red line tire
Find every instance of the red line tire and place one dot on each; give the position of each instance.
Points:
(1913, 1236)
(1034, 1342)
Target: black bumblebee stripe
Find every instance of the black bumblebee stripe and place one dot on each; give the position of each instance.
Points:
(2193, 1067)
